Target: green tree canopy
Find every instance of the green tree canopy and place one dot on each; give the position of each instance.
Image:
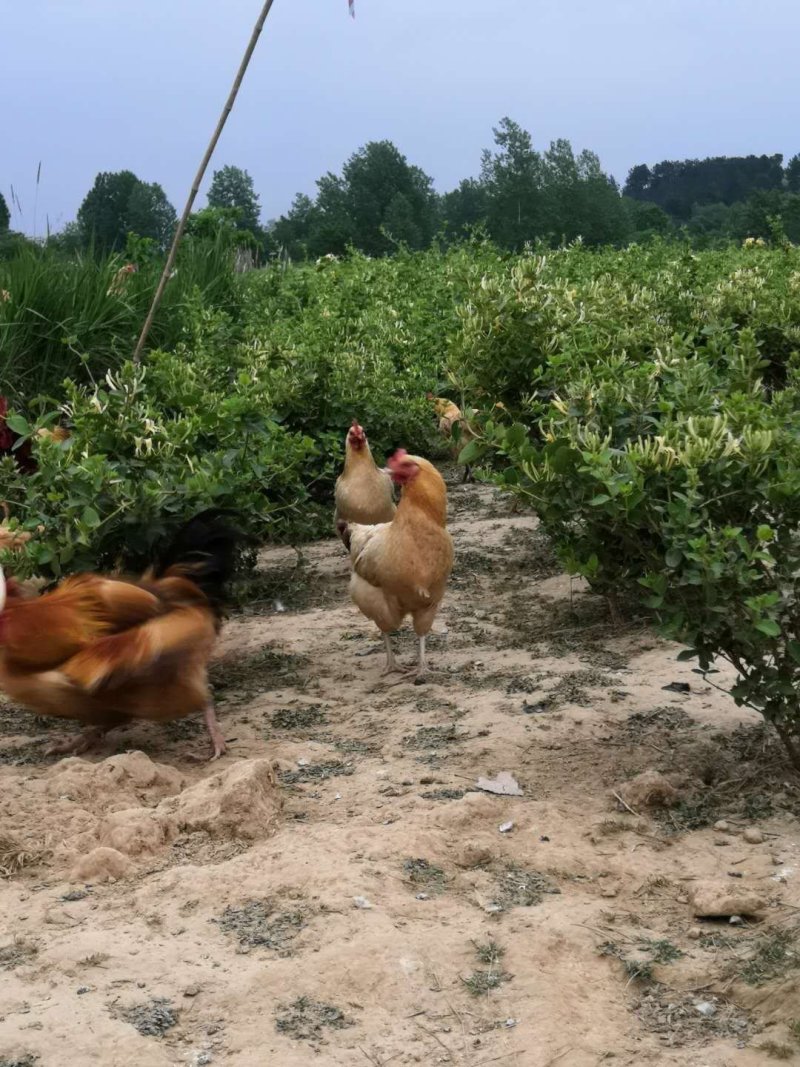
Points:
(232, 187)
(5, 214)
(379, 200)
(119, 203)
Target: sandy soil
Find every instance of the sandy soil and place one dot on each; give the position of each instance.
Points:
(338, 891)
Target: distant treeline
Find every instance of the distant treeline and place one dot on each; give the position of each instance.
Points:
(521, 195)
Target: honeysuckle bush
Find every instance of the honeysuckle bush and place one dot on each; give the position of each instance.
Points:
(248, 410)
(667, 469)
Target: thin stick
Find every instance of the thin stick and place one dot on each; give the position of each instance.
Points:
(262, 18)
(627, 806)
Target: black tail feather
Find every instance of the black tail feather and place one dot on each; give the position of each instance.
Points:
(208, 547)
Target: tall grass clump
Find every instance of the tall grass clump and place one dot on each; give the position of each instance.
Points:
(63, 317)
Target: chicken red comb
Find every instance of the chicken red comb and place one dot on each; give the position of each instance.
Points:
(356, 427)
(397, 458)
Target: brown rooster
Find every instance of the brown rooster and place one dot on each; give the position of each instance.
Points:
(401, 567)
(106, 651)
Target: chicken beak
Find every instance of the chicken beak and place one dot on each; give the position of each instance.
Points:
(2, 589)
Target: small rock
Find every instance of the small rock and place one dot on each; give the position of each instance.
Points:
(706, 1008)
(735, 874)
(677, 687)
(423, 896)
(506, 827)
(695, 934)
(776, 861)
(544, 837)
(736, 920)
(191, 991)
(82, 989)
(720, 899)
(362, 902)
(609, 892)
(753, 836)
(721, 826)
(721, 842)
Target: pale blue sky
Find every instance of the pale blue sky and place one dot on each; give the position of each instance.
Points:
(90, 85)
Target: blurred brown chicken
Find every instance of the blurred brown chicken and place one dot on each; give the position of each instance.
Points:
(450, 415)
(363, 491)
(106, 651)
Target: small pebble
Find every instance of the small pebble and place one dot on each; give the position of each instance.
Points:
(736, 920)
(720, 843)
(191, 991)
(706, 1008)
(695, 934)
(506, 827)
(82, 989)
(544, 837)
(609, 892)
(777, 861)
(722, 826)
(753, 836)
(735, 874)
(422, 896)
(362, 902)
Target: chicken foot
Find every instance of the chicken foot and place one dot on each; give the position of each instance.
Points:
(212, 725)
(392, 666)
(77, 745)
(421, 669)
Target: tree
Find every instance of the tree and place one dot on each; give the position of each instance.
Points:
(103, 215)
(119, 203)
(793, 174)
(5, 215)
(513, 177)
(465, 206)
(232, 187)
(378, 201)
(380, 189)
(150, 214)
(677, 185)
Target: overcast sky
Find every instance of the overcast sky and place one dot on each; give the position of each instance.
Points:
(91, 85)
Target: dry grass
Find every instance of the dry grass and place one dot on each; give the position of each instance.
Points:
(16, 856)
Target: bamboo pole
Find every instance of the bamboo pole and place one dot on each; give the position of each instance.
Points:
(162, 283)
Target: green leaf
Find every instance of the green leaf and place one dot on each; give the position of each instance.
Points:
(515, 436)
(673, 557)
(794, 650)
(18, 424)
(90, 518)
(768, 627)
(764, 533)
(474, 450)
(601, 498)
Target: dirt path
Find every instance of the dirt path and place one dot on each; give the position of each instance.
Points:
(373, 907)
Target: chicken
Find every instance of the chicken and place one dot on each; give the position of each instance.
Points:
(109, 650)
(120, 278)
(11, 538)
(401, 567)
(450, 415)
(10, 441)
(363, 491)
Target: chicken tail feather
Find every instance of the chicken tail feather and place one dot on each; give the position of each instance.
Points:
(205, 550)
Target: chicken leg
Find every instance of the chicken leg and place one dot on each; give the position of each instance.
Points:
(212, 725)
(392, 666)
(76, 746)
(422, 662)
